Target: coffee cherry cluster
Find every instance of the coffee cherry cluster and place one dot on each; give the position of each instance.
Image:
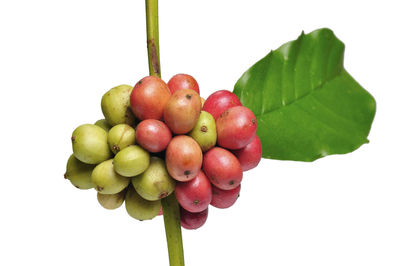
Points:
(157, 139)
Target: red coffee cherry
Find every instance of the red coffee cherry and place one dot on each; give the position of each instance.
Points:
(149, 97)
(220, 101)
(224, 198)
(250, 155)
(183, 158)
(222, 168)
(191, 220)
(194, 195)
(182, 111)
(183, 81)
(153, 135)
(236, 127)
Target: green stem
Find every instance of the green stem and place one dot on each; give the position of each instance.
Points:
(172, 225)
(170, 205)
(153, 48)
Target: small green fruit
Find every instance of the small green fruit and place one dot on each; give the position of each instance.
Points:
(131, 161)
(120, 136)
(103, 124)
(139, 208)
(115, 105)
(111, 201)
(205, 131)
(89, 143)
(155, 183)
(106, 180)
(79, 173)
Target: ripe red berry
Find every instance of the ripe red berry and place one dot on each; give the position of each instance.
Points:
(149, 97)
(183, 81)
(182, 111)
(236, 127)
(194, 195)
(224, 198)
(183, 158)
(220, 101)
(250, 155)
(153, 135)
(222, 168)
(191, 220)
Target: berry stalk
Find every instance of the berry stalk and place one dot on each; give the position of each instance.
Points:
(170, 205)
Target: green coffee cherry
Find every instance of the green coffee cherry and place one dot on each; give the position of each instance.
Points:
(79, 174)
(116, 107)
(120, 136)
(89, 143)
(155, 183)
(205, 131)
(103, 124)
(111, 201)
(131, 161)
(106, 180)
(139, 208)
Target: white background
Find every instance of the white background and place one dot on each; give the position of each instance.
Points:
(57, 58)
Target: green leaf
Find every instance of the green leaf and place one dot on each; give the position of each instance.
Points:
(307, 105)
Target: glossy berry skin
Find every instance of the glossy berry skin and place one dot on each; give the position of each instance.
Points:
(193, 221)
(183, 158)
(236, 127)
(149, 97)
(182, 111)
(223, 199)
(220, 101)
(194, 195)
(250, 155)
(183, 81)
(153, 135)
(222, 168)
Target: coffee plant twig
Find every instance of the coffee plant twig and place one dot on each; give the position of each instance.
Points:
(170, 205)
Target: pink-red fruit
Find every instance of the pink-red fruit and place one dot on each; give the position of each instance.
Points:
(184, 158)
(149, 97)
(153, 135)
(220, 101)
(182, 111)
(236, 127)
(224, 198)
(194, 195)
(250, 155)
(222, 168)
(183, 81)
(191, 220)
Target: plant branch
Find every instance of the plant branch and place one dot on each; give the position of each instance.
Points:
(172, 225)
(170, 205)
(153, 47)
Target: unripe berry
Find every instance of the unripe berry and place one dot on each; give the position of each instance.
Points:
(205, 131)
(115, 106)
